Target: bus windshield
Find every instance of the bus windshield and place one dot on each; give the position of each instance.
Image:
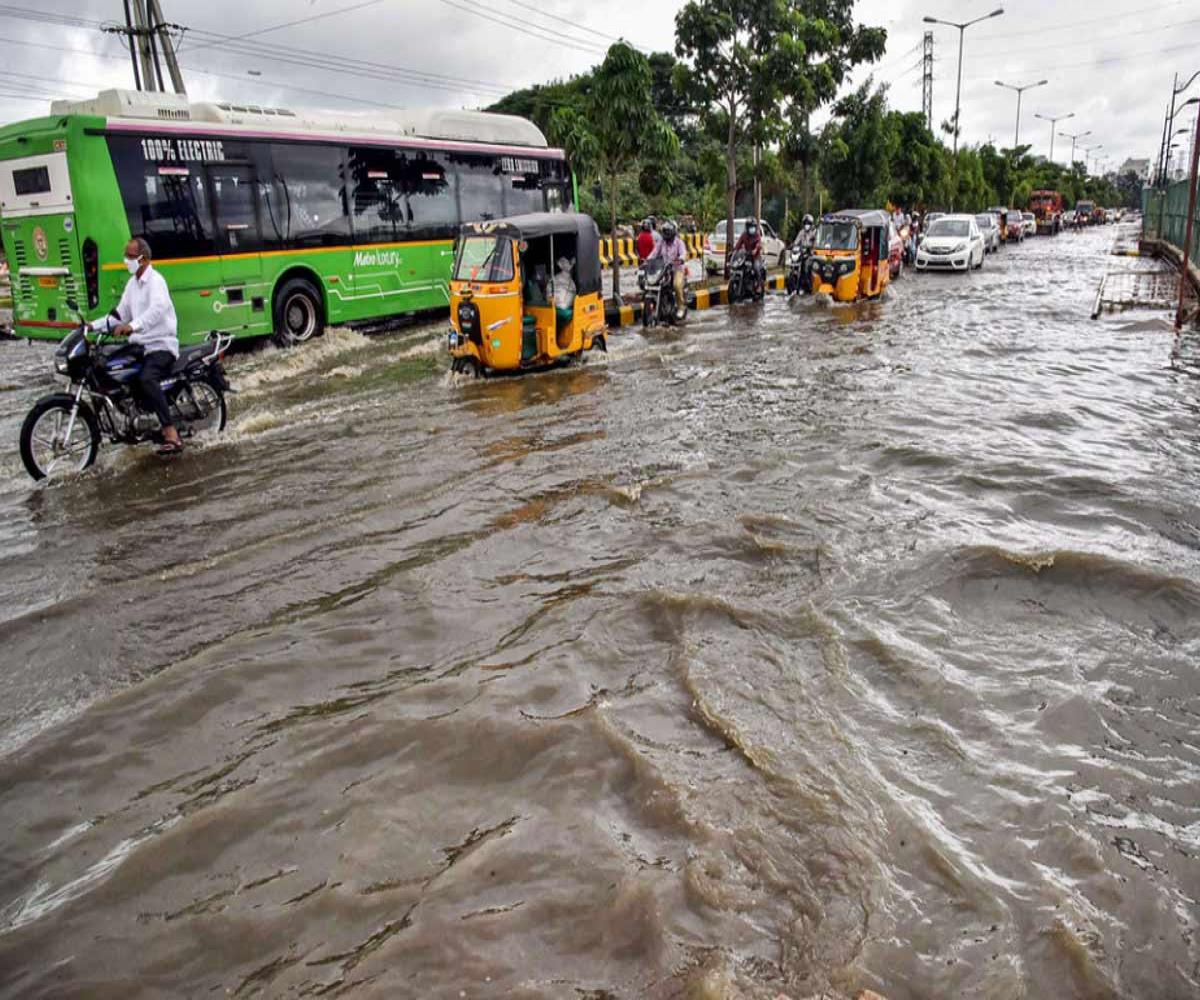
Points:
(484, 258)
(835, 235)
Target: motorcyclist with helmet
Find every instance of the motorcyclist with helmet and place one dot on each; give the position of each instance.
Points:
(751, 242)
(807, 237)
(672, 250)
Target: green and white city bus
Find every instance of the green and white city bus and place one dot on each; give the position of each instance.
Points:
(262, 220)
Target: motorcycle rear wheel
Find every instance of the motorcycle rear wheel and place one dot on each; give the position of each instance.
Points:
(208, 415)
(46, 450)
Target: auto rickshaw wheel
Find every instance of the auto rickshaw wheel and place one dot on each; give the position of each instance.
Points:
(467, 366)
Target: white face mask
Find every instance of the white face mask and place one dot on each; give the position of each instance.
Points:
(132, 264)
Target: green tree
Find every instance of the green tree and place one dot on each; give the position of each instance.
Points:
(762, 66)
(858, 149)
(617, 128)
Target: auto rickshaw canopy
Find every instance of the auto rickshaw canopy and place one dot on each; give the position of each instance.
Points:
(868, 218)
(572, 227)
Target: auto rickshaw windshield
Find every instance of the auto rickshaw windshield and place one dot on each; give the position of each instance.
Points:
(837, 235)
(484, 258)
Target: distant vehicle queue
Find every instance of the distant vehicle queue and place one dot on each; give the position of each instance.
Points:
(265, 222)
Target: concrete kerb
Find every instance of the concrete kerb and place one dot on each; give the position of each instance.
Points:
(617, 315)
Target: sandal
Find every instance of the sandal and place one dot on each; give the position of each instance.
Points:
(171, 448)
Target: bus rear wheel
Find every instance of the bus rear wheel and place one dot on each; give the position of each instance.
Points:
(297, 313)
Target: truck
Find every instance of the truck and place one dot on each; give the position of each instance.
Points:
(1084, 212)
(1047, 209)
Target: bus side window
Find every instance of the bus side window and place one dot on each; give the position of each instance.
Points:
(431, 186)
(379, 209)
(480, 196)
(167, 203)
(310, 195)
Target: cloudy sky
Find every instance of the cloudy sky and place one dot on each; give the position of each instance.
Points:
(1112, 67)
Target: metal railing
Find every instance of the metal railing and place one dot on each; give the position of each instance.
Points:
(1164, 214)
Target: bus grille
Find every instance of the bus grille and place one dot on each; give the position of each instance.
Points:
(19, 254)
(64, 253)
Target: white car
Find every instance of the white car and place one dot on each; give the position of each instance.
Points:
(1030, 221)
(952, 243)
(991, 232)
(774, 250)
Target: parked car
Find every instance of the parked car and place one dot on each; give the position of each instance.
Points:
(1014, 226)
(774, 249)
(952, 243)
(895, 251)
(991, 232)
(1030, 223)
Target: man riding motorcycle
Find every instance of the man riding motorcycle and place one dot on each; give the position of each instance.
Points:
(672, 250)
(751, 242)
(807, 236)
(798, 277)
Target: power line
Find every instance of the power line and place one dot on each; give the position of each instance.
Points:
(545, 34)
(1092, 63)
(1087, 22)
(298, 21)
(576, 25)
(1098, 38)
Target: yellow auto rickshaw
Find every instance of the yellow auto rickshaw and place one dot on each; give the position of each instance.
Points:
(850, 255)
(525, 293)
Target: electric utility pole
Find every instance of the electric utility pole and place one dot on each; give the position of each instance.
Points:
(927, 82)
(150, 46)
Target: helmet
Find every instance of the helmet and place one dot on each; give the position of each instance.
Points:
(653, 222)
(668, 230)
(807, 221)
(647, 225)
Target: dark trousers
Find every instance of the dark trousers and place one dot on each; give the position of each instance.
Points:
(156, 366)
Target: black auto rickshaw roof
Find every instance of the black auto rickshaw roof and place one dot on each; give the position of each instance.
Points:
(535, 225)
(865, 217)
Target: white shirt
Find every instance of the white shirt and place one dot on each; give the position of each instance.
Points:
(146, 306)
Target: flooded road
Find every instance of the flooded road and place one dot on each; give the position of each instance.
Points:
(807, 649)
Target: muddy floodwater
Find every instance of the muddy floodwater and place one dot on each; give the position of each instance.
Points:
(805, 649)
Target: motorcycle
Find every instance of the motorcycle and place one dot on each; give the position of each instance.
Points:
(745, 279)
(62, 431)
(657, 281)
(799, 275)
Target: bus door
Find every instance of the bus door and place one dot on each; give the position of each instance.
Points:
(239, 242)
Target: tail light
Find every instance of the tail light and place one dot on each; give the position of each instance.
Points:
(91, 272)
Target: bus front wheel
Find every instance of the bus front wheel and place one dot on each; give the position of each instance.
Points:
(297, 313)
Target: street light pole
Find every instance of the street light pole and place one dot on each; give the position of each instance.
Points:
(958, 93)
(1020, 91)
(1053, 122)
(962, 28)
(1074, 137)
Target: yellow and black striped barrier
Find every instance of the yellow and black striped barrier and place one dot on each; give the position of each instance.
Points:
(625, 249)
(627, 314)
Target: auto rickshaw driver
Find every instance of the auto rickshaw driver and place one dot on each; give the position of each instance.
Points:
(505, 313)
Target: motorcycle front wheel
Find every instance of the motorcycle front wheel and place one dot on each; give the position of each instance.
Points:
(47, 449)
